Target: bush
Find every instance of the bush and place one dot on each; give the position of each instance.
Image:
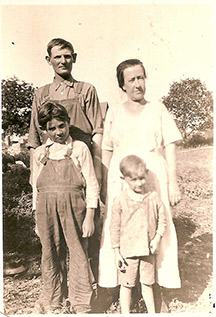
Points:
(196, 141)
(17, 97)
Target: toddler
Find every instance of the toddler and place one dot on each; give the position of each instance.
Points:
(138, 222)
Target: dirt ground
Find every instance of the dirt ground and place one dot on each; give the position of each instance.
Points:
(194, 226)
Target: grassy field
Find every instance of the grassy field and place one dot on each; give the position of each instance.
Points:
(194, 225)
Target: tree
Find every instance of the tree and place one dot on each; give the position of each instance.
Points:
(192, 106)
(17, 99)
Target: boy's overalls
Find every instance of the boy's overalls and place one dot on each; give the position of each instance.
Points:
(60, 212)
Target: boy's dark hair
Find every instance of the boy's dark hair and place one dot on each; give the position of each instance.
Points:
(123, 65)
(59, 42)
(130, 164)
(51, 110)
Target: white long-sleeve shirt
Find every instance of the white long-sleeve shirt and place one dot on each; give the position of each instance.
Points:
(82, 159)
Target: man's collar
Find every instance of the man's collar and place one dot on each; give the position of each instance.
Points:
(59, 80)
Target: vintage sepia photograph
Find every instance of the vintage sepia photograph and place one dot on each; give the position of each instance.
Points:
(107, 157)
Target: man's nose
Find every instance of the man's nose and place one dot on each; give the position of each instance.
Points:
(63, 60)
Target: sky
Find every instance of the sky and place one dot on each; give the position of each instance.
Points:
(173, 39)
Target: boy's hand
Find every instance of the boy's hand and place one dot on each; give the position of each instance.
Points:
(155, 243)
(88, 223)
(120, 261)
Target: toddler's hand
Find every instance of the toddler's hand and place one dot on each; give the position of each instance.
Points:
(120, 261)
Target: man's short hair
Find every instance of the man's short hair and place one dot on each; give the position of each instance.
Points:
(59, 42)
(130, 164)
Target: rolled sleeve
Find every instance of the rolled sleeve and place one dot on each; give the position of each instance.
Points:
(85, 160)
(35, 172)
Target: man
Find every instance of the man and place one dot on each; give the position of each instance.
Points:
(79, 98)
(81, 101)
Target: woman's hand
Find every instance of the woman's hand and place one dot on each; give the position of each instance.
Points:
(174, 193)
(88, 223)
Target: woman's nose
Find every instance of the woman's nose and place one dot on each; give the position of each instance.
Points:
(137, 83)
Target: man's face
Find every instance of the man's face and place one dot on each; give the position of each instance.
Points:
(61, 60)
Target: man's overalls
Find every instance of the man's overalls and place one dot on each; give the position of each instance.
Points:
(60, 213)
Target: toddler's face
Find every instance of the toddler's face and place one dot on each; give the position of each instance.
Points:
(58, 131)
(137, 180)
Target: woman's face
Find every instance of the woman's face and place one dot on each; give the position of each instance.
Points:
(134, 82)
(58, 131)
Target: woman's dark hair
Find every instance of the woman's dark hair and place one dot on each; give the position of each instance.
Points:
(123, 65)
(130, 164)
(51, 110)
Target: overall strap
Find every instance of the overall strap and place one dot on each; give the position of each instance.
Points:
(79, 87)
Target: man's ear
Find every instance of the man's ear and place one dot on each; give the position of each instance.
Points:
(47, 58)
(74, 57)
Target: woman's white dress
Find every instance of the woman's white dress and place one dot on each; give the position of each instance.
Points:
(144, 135)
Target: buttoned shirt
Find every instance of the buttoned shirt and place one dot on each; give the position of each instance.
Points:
(64, 90)
(82, 159)
(135, 221)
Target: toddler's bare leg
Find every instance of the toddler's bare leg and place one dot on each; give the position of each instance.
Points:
(147, 293)
(125, 299)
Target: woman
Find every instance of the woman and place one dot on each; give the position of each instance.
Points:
(145, 129)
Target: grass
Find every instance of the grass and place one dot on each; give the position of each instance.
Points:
(194, 225)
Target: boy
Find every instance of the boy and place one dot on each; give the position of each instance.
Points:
(138, 222)
(65, 196)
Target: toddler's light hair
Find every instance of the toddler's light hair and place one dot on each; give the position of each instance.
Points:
(130, 164)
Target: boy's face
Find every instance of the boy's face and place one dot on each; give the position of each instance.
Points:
(58, 131)
(137, 180)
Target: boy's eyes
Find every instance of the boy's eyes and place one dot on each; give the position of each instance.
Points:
(54, 128)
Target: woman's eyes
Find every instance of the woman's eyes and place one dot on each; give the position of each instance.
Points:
(133, 79)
